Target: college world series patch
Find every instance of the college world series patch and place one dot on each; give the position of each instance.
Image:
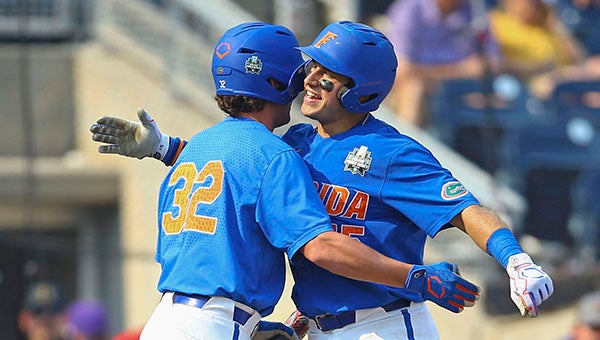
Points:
(358, 161)
(452, 190)
(253, 65)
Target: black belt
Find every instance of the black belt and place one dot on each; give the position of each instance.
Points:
(329, 322)
(239, 315)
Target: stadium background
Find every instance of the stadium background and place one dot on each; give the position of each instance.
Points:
(87, 221)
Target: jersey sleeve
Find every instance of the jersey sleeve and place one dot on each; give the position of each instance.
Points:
(176, 145)
(288, 208)
(422, 190)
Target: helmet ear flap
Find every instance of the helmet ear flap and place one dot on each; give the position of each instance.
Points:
(342, 91)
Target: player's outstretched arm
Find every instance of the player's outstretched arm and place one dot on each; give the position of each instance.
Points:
(348, 257)
(128, 138)
(529, 284)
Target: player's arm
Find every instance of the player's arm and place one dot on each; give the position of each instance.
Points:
(529, 284)
(345, 256)
(136, 139)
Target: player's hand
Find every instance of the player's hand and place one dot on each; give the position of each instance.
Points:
(442, 284)
(128, 138)
(267, 330)
(299, 323)
(529, 284)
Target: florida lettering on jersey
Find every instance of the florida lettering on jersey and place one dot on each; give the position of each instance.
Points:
(341, 202)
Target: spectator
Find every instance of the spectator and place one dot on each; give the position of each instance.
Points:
(86, 320)
(581, 18)
(533, 40)
(42, 316)
(587, 325)
(434, 40)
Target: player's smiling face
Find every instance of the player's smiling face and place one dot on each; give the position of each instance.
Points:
(320, 101)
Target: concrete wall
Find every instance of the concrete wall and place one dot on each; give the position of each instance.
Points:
(37, 102)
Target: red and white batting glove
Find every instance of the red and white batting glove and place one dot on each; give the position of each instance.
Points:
(299, 323)
(529, 284)
(128, 138)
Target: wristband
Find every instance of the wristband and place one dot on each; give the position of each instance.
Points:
(174, 149)
(502, 245)
(162, 148)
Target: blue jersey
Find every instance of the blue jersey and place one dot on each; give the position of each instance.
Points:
(237, 198)
(381, 187)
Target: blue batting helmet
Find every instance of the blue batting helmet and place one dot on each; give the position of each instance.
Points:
(359, 52)
(251, 55)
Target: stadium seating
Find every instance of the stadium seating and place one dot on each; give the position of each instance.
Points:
(543, 161)
(472, 115)
(586, 214)
(575, 96)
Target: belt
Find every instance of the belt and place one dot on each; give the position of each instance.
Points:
(329, 322)
(239, 315)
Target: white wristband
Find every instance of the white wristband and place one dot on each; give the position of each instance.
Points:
(162, 148)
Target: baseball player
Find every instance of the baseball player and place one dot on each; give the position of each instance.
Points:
(227, 210)
(378, 186)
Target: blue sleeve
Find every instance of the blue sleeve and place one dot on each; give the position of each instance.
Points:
(421, 189)
(289, 209)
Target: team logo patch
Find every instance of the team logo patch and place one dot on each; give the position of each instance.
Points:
(222, 50)
(452, 190)
(222, 84)
(358, 161)
(325, 39)
(253, 65)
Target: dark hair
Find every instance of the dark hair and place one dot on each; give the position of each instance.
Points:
(236, 105)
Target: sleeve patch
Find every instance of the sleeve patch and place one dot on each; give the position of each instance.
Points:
(453, 190)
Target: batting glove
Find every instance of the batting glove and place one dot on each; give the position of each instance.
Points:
(529, 284)
(442, 284)
(267, 330)
(299, 323)
(132, 139)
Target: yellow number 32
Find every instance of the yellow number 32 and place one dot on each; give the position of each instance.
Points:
(187, 201)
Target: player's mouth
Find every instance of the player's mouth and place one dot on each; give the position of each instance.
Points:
(311, 96)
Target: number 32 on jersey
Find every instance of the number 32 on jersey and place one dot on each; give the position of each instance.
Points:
(186, 199)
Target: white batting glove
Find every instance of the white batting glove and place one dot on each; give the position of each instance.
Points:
(529, 284)
(128, 138)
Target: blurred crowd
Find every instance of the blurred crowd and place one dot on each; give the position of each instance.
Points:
(540, 42)
(514, 86)
(587, 321)
(46, 314)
